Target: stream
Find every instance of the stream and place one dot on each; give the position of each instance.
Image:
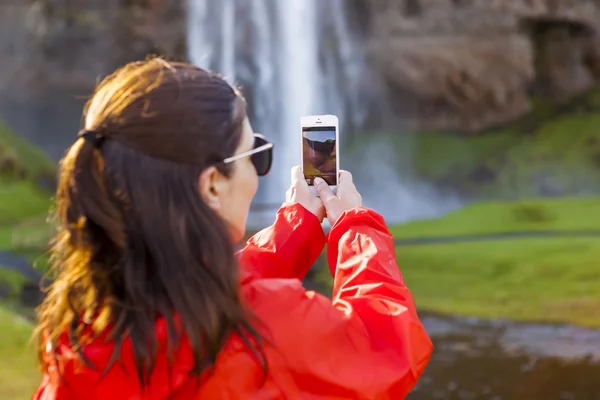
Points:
(496, 360)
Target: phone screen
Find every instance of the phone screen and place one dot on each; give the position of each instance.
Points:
(319, 154)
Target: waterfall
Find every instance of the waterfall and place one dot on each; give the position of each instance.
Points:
(300, 57)
(290, 58)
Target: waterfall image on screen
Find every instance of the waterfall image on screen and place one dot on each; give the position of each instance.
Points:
(319, 154)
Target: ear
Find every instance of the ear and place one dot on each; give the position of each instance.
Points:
(212, 186)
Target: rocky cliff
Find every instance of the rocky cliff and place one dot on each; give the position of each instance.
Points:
(69, 44)
(461, 65)
(470, 64)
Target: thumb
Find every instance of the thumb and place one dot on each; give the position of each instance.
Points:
(323, 190)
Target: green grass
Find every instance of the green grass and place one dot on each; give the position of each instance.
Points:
(23, 204)
(21, 200)
(543, 280)
(19, 376)
(12, 280)
(22, 156)
(23, 209)
(550, 279)
(559, 157)
(495, 217)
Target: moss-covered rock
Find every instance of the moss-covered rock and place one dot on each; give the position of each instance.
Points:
(553, 151)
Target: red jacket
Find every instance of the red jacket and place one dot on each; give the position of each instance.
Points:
(367, 344)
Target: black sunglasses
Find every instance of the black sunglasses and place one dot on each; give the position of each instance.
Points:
(261, 156)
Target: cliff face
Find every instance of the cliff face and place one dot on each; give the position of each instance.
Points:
(52, 53)
(470, 64)
(460, 65)
(66, 45)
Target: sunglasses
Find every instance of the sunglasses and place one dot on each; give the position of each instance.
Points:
(261, 155)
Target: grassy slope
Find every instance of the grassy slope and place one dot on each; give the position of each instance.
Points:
(30, 158)
(525, 215)
(550, 279)
(20, 197)
(19, 376)
(23, 210)
(555, 150)
(23, 205)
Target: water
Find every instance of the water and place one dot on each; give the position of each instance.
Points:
(291, 58)
(500, 360)
(387, 184)
(268, 48)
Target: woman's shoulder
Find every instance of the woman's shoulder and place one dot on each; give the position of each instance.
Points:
(265, 291)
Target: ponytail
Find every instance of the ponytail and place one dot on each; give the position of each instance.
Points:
(88, 196)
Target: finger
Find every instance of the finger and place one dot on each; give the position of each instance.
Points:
(323, 190)
(345, 177)
(298, 179)
(297, 174)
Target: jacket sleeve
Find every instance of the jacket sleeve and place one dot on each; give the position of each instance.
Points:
(371, 343)
(286, 249)
(52, 386)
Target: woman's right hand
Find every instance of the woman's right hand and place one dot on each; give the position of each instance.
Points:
(345, 198)
(300, 193)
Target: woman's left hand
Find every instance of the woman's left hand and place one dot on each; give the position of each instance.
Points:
(300, 193)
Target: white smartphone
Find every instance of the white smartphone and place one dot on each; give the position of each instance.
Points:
(320, 149)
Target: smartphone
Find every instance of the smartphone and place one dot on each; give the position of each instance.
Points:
(320, 149)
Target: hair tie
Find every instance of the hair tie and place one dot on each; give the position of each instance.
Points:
(92, 137)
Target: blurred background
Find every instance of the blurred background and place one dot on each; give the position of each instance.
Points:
(472, 125)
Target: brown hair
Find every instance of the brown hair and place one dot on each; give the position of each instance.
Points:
(135, 240)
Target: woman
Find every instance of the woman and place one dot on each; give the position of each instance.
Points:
(149, 300)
